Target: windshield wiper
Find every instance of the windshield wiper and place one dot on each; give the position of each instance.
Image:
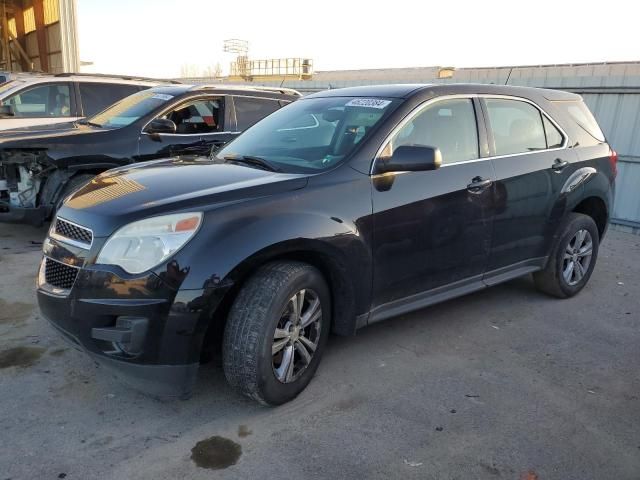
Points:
(253, 161)
(87, 122)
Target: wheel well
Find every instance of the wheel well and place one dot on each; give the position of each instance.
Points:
(596, 209)
(343, 316)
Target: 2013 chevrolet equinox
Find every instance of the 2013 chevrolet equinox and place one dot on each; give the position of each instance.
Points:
(342, 209)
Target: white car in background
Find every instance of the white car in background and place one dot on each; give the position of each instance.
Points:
(43, 99)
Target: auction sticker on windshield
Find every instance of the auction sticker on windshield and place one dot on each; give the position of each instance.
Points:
(368, 102)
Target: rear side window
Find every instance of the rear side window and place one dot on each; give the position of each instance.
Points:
(583, 117)
(516, 126)
(554, 137)
(51, 100)
(449, 125)
(98, 96)
(250, 111)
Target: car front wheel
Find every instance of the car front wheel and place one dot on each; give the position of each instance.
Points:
(276, 332)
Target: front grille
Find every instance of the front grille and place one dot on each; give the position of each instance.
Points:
(59, 275)
(73, 232)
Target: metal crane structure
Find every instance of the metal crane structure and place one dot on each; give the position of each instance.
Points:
(244, 69)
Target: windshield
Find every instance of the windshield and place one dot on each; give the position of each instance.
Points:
(129, 109)
(9, 86)
(311, 135)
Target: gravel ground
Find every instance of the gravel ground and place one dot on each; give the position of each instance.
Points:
(502, 384)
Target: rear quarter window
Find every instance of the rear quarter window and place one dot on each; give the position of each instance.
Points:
(581, 114)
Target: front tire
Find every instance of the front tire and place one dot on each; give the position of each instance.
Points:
(276, 332)
(572, 259)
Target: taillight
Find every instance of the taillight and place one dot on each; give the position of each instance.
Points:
(613, 160)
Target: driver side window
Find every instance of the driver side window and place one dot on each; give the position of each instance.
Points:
(449, 125)
(198, 117)
(52, 100)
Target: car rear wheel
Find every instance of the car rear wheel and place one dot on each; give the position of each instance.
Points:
(276, 332)
(572, 259)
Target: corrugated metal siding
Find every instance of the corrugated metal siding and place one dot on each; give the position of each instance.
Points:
(627, 206)
(601, 85)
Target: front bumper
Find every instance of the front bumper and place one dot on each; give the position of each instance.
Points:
(31, 216)
(162, 381)
(163, 358)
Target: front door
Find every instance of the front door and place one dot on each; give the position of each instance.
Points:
(200, 125)
(433, 228)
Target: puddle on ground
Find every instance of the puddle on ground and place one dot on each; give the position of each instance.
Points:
(243, 431)
(216, 453)
(14, 312)
(20, 356)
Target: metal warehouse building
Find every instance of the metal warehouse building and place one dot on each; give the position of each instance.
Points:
(612, 91)
(38, 35)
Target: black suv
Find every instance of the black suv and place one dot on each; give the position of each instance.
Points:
(342, 209)
(42, 165)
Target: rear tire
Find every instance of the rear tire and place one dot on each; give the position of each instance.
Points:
(572, 258)
(268, 353)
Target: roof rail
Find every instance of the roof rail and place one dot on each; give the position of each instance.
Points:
(284, 91)
(122, 77)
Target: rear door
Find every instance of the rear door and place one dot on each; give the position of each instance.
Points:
(531, 164)
(433, 228)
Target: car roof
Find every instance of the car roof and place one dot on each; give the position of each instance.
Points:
(28, 78)
(403, 90)
(221, 89)
(409, 90)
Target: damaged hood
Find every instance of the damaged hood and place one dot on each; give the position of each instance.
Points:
(41, 136)
(120, 196)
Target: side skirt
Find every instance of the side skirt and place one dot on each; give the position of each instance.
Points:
(452, 290)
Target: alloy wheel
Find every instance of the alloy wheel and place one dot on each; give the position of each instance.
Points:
(296, 336)
(577, 257)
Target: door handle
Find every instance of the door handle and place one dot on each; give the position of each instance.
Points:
(478, 184)
(559, 165)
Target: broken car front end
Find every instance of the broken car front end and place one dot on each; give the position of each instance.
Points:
(23, 179)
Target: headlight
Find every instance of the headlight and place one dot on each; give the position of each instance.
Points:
(142, 245)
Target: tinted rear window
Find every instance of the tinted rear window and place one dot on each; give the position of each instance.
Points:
(250, 111)
(583, 117)
(98, 96)
(516, 126)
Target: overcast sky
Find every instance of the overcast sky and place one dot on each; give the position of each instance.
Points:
(157, 37)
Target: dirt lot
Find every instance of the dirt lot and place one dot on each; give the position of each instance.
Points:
(502, 384)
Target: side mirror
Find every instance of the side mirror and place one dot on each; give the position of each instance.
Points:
(160, 125)
(6, 111)
(410, 158)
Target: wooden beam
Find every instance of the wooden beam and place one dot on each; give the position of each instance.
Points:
(21, 39)
(5, 37)
(21, 53)
(38, 10)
